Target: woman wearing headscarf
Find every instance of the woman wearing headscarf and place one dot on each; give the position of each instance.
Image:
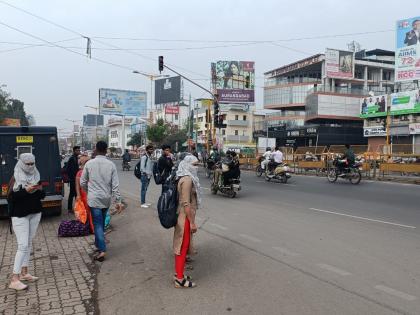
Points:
(80, 192)
(26, 214)
(189, 197)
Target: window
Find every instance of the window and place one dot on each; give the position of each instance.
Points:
(223, 132)
(244, 117)
(236, 132)
(236, 117)
(176, 116)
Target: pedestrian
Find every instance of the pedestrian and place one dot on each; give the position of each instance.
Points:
(25, 211)
(189, 199)
(146, 169)
(72, 169)
(165, 163)
(81, 193)
(100, 180)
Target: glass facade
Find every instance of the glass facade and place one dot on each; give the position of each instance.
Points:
(286, 95)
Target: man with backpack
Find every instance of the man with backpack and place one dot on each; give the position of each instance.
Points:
(146, 172)
(164, 166)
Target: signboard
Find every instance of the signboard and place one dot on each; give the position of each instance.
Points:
(405, 102)
(407, 53)
(121, 102)
(24, 139)
(92, 120)
(339, 64)
(414, 129)
(295, 66)
(13, 122)
(373, 106)
(234, 81)
(168, 90)
(264, 142)
(171, 109)
(376, 131)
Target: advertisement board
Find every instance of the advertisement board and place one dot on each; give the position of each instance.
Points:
(405, 102)
(339, 64)
(91, 120)
(375, 131)
(373, 106)
(407, 53)
(168, 90)
(12, 122)
(122, 102)
(414, 129)
(234, 81)
(169, 109)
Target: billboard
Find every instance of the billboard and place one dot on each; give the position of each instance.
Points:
(405, 102)
(234, 81)
(407, 53)
(92, 120)
(169, 109)
(13, 122)
(168, 90)
(414, 129)
(373, 106)
(122, 102)
(339, 64)
(376, 131)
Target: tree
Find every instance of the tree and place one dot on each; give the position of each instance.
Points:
(136, 140)
(179, 135)
(12, 108)
(158, 132)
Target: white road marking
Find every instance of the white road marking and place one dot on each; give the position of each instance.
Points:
(219, 226)
(206, 188)
(336, 270)
(363, 218)
(285, 251)
(250, 238)
(396, 293)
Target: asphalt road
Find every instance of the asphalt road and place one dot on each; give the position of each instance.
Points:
(306, 247)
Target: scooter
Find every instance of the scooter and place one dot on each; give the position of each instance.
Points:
(231, 188)
(126, 166)
(280, 173)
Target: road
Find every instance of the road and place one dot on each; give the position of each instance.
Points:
(307, 247)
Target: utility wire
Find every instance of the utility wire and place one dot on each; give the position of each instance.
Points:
(33, 45)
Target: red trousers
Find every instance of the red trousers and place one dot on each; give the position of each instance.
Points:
(180, 259)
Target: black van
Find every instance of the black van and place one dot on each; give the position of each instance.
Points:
(43, 143)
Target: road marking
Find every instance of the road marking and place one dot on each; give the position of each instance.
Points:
(285, 251)
(218, 226)
(206, 188)
(396, 293)
(260, 181)
(250, 238)
(336, 270)
(363, 218)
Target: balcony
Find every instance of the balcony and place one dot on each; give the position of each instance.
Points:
(240, 123)
(234, 138)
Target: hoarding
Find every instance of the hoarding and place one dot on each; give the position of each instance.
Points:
(414, 129)
(92, 120)
(234, 81)
(122, 102)
(168, 90)
(339, 64)
(405, 102)
(171, 109)
(13, 122)
(407, 53)
(373, 106)
(376, 131)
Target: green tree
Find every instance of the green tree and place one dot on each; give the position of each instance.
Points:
(12, 108)
(158, 132)
(178, 135)
(136, 140)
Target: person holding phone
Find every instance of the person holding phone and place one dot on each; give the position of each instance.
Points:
(25, 211)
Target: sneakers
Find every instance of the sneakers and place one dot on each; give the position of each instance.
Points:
(144, 205)
(28, 277)
(18, 286)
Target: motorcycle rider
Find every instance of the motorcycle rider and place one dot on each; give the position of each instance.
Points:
(347, 160)
(267, 157)
(215, 155)
(277, 156)
(126, 157)
(234, 171)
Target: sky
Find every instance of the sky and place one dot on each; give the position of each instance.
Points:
(55, 84)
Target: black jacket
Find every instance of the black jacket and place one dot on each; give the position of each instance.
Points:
(23, 203)
(165, 166)
(72, 167)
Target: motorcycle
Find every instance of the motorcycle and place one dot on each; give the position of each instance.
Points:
(281, 173)
(350, 172)
(209, 168)
(126, 166)
(259, 170)
(228, 187)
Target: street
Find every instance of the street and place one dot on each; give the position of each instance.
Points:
(307, 247)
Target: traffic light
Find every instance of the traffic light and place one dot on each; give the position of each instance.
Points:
(216, 113)
(160, 64)
(247, 81)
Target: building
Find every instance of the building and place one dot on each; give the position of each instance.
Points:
(116, 135)
(176, 114)
(315, 109)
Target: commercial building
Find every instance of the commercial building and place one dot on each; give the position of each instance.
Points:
(317, 104)
(118, 136)
(175, 114)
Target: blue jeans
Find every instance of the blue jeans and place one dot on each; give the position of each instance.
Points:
(98, 218)
(144, 184)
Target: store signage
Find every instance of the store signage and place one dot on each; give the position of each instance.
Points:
(376, 131)
(414, 129)
(295, 66)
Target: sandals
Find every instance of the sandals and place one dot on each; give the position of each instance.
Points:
(185, 277)
(18, 286)
(28, 277)
(184, 283)
(99, 258)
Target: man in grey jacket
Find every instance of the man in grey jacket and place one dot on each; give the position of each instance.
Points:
(100, 180)
(146, 169)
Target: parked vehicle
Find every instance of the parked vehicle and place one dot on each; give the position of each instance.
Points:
(281, 172)
(351, 172)
(43, 143)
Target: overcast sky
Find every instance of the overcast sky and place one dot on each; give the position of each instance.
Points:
(55, 84)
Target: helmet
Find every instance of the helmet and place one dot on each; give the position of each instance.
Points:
(268, 149)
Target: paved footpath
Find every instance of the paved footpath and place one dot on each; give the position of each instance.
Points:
(67, 283)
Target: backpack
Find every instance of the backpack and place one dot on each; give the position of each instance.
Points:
(71, 228)
(137, 168)
(168, 203)
(157, 175)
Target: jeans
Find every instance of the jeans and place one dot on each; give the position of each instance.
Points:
(98, 217)
(25, 230)
(145, 180)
